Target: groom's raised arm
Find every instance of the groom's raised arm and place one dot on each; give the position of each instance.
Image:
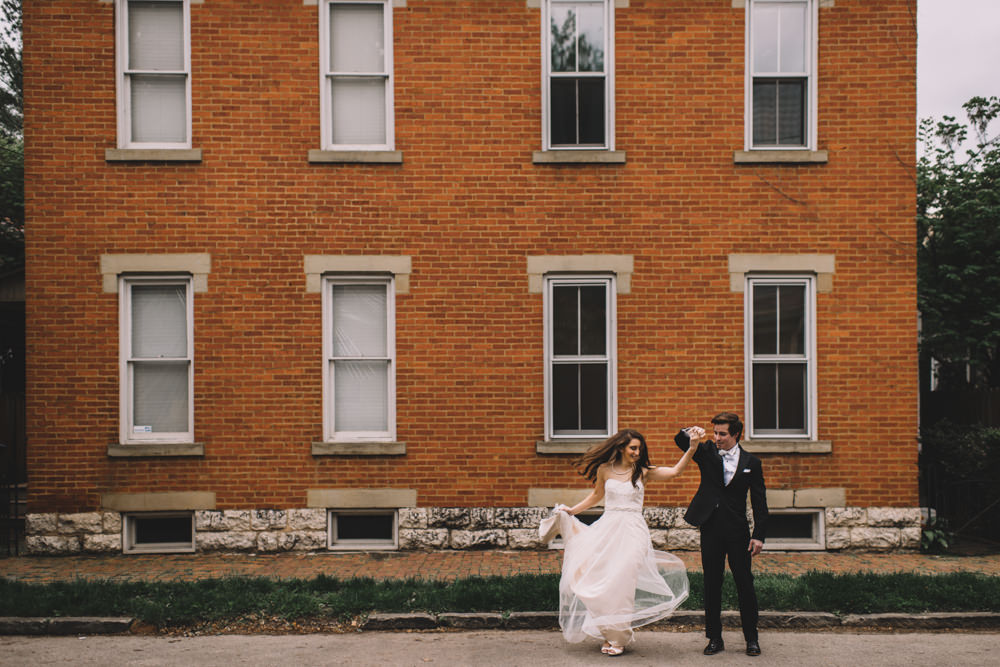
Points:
(683, 440)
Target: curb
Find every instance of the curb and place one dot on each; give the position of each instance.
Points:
(545, 620)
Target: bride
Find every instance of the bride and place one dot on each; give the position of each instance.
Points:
(612, 578)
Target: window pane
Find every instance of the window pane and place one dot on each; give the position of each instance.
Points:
(357, 38)
(792, 397)
(358, 105)
(562, 28)
(364, 527)
(361, 390)
(359, 321)
(159, 321)
(790, 526)
(156, 36)
(159, 108)
(162, 530)
(764, 399)
(793, 38)
(765, 38)
(591, 114)
(765, 112)
(765, 321)
(793, 320)
(590, 42)
(593, 397)
(593, 320)
(160, 400)
(565, 397)
(565, 328)
(791, 112)
(562, 103)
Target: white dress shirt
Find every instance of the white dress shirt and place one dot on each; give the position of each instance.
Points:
(730, 461)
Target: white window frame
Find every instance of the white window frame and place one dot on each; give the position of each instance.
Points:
(809, 356)
(326, 78)
(812, 48)
(609, 76)
(128, 434)
(123, 82)
(129, 545)
(818, 541)
(333, 544)
(610, 356)
(330, 432)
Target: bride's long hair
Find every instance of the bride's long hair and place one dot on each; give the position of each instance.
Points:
(611, 450)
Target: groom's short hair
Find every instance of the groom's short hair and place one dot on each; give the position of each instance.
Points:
(732, 420)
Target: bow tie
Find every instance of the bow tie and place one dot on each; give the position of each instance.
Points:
(730, 454)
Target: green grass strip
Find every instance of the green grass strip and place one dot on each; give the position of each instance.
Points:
(182, 603)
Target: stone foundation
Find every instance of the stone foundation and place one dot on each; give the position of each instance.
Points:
(439, 528)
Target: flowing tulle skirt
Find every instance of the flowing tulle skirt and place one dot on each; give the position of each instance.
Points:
(612, 578)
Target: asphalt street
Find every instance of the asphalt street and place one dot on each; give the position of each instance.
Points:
(489, 648)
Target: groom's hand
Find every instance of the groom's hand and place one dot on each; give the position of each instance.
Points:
(755, 547)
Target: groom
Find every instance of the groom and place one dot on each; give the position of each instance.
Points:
(719, 509)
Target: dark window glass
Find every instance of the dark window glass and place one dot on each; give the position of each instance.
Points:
(593, 397)
(792, 313)
(591, 114)
(593, 319)
(565, 397)
(162, 530)
(577, 111)
(765, 320)
(779, 117)
(790, 526)
(562, 102)
(364, 527)
(792, 397)
(765, 406)
(565, 320)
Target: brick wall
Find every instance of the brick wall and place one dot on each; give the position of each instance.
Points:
(468, 206)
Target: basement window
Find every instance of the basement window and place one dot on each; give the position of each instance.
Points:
(159, 532)
(795, 530)
(362, 530)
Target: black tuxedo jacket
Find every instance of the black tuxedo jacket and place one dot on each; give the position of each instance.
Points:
(730, 501)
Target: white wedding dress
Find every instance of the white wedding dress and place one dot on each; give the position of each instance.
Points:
(612, 578)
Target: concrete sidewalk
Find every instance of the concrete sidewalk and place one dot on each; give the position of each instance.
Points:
(443, 565)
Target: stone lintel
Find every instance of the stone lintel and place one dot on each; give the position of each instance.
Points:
(159, 501)
(361, 498)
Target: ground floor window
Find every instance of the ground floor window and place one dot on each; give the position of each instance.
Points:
(363, 529)
(158, 532)
(795, 530)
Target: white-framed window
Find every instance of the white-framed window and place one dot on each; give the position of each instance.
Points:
(781, 356)
(578, 74)
(158, 532)
(796, 530)
(154, 73)
(157, 359)
(781, 74)
(356, 82)
(362, 529)
(359, 377)
(580, 343)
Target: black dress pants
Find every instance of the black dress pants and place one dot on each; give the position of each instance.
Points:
(719, 541)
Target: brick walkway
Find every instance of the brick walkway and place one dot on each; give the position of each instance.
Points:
(433, 565)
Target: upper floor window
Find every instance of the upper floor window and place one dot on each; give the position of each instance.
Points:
(781, 356)
(154, 73)
(580, 365)
(360, 343)
(356, 101)
(577, 92)
(781, 57)
(156, 343)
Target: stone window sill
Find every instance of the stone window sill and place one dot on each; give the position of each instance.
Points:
(578, 157)
(564, 446)
(358, 448)
(780, 157)
(152, 155)
(781, 446)
(156, 449)
(355, 157)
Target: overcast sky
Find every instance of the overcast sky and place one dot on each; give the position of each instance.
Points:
(958, 54)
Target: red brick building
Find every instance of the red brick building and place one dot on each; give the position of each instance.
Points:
(310, 274)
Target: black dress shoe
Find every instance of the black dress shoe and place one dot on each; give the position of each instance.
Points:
(753, 648)
(714, 646)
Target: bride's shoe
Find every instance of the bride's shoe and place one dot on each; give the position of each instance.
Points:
(613, 649)
(605, 647)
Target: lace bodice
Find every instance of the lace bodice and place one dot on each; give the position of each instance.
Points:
(622, 496)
